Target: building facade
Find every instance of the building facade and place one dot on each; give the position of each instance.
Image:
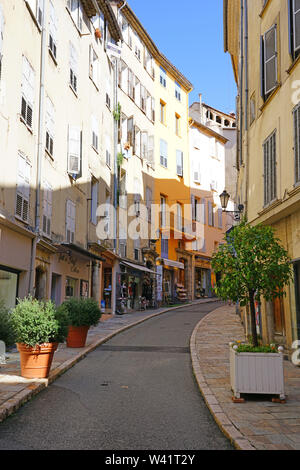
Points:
(56, 131)
(263, 40)
(211, 170)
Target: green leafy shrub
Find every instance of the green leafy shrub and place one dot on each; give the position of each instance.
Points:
(82, 312)
(36, 322)
(62, 316)
(245, 348)
(6, 329)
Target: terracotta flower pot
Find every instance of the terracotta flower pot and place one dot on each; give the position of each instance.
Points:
(36, 361)
(77, 336)
(98, 33)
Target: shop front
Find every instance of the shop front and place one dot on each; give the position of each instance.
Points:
(15, 261)
(173, 281)
(203, 280)
(137, 286)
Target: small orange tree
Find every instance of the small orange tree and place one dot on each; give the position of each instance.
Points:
(252, 264)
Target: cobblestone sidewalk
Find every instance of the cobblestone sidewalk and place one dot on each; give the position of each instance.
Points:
(257, 424)
(15, 390)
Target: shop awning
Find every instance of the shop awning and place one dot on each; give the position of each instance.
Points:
(173, 264)
(138, 267)
(82, 251)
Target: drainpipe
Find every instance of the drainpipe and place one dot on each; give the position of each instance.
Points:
(39, 152)
(241, 84)
(246, 103)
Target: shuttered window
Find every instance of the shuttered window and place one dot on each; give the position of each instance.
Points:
(94, 202)
(73, 68)
(179, 162)
(210, 214)
(294, 28)
(36, 7)
(151, 150)
(94, 66)
(269, 151)
(164, 153)
(47, 209)
(50, 119)
(296, 113)
(53, 27)
(144, 145)
(70, 221)
(28, 81)
(269, 67)
(23, 188)
(76, 12)
(74, 150)
(163, 77)
(95, 132)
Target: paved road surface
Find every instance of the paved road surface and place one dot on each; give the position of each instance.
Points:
(136, 391)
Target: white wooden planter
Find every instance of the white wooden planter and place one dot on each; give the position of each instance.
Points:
(256, 373)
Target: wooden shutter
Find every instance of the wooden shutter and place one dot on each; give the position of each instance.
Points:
(95, 132)
(23, 188)
(297, 143)
(270, 60)
(70, 221)
(74, 154)
(262, 69)
(296, 27)
(47, 209)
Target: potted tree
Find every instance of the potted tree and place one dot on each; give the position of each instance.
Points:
(38, 328)
(82, 313)
(252, 265)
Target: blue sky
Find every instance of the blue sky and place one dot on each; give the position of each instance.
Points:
(190, 34)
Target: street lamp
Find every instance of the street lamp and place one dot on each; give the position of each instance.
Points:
(224, 197)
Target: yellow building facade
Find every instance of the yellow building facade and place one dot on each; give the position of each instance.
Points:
(263, 40)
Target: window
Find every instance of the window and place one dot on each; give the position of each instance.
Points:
(50, 117)
(202, 209)
(195, 208)
(53, 27)
(269, 62)
(137, 142)
(28, 79)
(210, 214)
(123, 77)
(149, 202)
(150, 156)
(162, 112)
(47, 209)
(164, 153)
(153, 110)
(95, 133)
(74, 151)
(36, 7)
(73, 68)
(94, 202)
(179, 162)
(164, 247)
(196, 168)
(177, 124)
(70, 221)
(269, 149)
(137, 91)
(163, 77)
(131, 84)
(177, 91)
(94, 66)
(108, 91)
(143, 99)
(163, 211)
(294, 28)
(98, 22)
(179, 217)
(108, 151)
(75, 9)
(144, 147)
(148, 63)
(296, 113)
(130, 131)
(220, 218)
(71, 285)
(23, 188)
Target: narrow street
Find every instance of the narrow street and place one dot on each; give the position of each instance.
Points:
(137, 391)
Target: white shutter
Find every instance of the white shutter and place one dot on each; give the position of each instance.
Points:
(1, 30)
(47, 209)
(179, 162)
(70, 221)
(137, 146)
(40, 12)
(124, 129)
(23, 188)
(151, 149)
(145, 145)
(53, 28)
(95, 132)
(50, 113)
(74, 154)
(137, 92)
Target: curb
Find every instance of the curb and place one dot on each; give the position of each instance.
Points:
(224, 422)
(20, 398)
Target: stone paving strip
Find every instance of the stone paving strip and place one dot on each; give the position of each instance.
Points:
(258, 423)
(16, 390)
